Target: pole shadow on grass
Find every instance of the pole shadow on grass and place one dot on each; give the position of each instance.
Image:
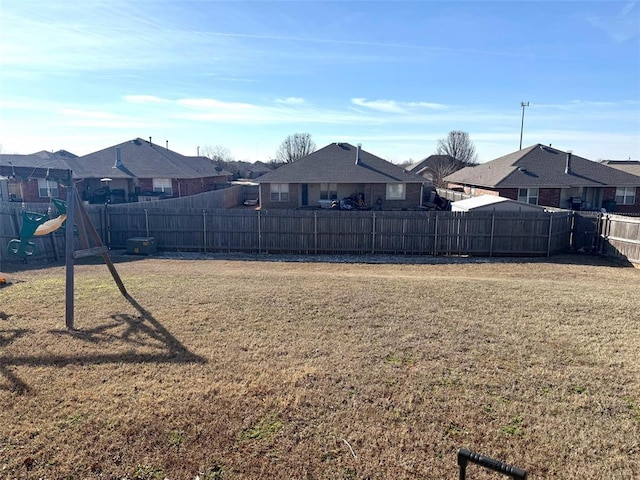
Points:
(141, 331)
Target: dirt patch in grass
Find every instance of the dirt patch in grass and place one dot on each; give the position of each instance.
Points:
(247, 369)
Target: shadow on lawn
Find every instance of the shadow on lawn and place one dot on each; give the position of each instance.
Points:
(141, 331)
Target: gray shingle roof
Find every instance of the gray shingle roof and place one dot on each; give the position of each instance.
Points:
(336, 163)
(142, 159)
(433, 161)
(629, 166)
(34, 160)
(542, 166)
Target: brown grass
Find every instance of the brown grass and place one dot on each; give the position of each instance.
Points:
(249, 369)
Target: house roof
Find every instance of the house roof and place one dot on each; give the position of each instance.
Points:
(484, 201)
(35, 165)
(629, 166)
(336, 163)
(433, 161)
(542, 166)
(142, 159)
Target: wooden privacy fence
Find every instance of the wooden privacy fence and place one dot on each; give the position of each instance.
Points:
(354, 232)
(619, 238)
(335, 232)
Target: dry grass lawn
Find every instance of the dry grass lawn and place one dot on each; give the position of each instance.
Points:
(265, 370)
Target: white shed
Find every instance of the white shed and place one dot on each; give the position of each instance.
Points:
(493, 203)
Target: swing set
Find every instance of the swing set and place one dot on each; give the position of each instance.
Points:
(73, 214)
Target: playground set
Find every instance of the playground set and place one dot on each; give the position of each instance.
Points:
(72, 216)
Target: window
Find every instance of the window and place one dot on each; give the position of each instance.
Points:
(396, 191)
(528, 195)
(47, 188)
(328, 191)
(162, 185)
(626, 195)
(279, 192)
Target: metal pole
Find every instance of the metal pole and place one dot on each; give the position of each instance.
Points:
(522, 104)
(146, 220)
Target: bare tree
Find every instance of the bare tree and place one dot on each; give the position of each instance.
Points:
(458, 145)
(217, 153)
(294, 147)
(442, 165)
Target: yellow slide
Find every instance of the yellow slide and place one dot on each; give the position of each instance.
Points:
(50, 225)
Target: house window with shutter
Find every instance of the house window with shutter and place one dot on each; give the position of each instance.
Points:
(396, 191)
(47, 188)
(279, 192)
(162, 185)
(626, 195)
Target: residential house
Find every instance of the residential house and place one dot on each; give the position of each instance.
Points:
(18, 184)
(337, 172)
(435, 167)
(543, 175)
(140, 170)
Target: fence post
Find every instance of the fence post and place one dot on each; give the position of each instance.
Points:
(204, 231)
(435, 236)
(259, 233)
(493, 226)
(315, 232)
(373, 234)
(549, 239)
(146, 221)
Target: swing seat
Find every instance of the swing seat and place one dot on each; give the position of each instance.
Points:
(36, 224)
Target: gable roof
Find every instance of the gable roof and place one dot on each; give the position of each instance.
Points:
(629, 166)
(35, 165)
(336, 163)
(434, 161)
(142, 159)
(542, 166)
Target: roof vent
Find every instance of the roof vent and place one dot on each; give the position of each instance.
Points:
(118, 163)
(567, 168)
(358, 154)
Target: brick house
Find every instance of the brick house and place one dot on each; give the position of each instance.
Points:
(131, 171)
(338, 172)
(19, 182)
(547, 176)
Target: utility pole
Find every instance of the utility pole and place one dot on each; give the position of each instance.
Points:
(522, 104)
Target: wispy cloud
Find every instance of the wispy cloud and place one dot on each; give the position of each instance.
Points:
(621, 26)
(291, 101)
(392, 106)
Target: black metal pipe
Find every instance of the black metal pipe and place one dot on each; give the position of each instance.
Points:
(465, 456)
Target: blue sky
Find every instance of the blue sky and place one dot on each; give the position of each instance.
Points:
(394, 76)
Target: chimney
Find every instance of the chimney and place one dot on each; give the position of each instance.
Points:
(358, 154)
(118, 163)
(567, 168)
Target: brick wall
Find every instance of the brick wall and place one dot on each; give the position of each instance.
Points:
(549, 197)
(609, 193)
(294, 197)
